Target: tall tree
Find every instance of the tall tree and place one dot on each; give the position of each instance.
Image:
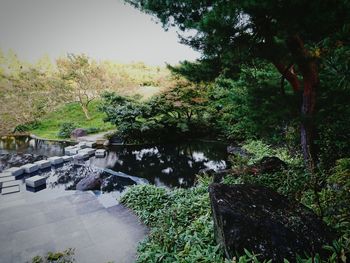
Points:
(85, 77)
(285, 33)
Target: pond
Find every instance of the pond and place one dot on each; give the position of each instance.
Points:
(169, 165)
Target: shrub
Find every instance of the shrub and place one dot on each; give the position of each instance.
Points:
(66, 256)
(182, 228)
(27, 126)
(66, 129)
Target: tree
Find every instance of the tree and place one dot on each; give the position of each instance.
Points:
(285, 33)
(85, 77)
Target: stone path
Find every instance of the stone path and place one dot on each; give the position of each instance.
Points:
(99, 138)
(33, 224)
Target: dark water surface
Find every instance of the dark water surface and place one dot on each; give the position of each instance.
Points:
(167, 165)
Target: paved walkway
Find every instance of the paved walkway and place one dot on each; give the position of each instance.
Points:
(33, 225)
(97, 137)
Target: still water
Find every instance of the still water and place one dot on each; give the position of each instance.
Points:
(170, 165)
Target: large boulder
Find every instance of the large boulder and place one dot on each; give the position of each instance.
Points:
(91, 182)
(78, 132)
(264, 222)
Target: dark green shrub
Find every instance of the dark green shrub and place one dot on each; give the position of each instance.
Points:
(66, 129)
(27, 126)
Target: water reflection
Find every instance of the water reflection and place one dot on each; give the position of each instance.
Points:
(168, 165)
(25, 144)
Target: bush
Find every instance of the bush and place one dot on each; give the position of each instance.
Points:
(182, 228)
(66, 129)
(66, 256)
(27, 126)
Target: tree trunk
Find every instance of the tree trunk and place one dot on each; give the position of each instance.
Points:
(308, 68)
(307, 128)
(86, 111)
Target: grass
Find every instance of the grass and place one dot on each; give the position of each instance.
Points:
(71, 112)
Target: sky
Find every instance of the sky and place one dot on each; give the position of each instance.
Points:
(102, 29)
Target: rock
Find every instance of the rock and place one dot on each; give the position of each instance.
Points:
(234, 150)
(266, 223)
(78, 132)
(270, 165)
(91, 182)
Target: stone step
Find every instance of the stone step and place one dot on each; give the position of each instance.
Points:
(5, 174)
(55, 160)
(10, 184)
(15, 171)
(10, 190)
(7, 179)
(30, 168)
(43, 164)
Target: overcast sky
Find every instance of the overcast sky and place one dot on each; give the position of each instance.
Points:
(103, 29)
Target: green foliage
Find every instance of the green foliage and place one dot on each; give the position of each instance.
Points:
(51, 123)
(27, 126)
(177, 113)
(66, 129)
(253, 106)
(66, 256)
(335, 197)
(182, 227)
(180, 221)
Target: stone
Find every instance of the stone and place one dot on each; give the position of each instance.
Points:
(81, 155)
(78, 132)
(68, 148)
(100, 153)
(7, 179)
(91, 182)
(30, 168)
(90, 144)
(5, 174)
(35, 181)
(72, 151)
(15, 171)
(10, 184)
(43, 164)
(55, 160)
(90, 151)
(10, 190)
(67, 158)
(82, 145)
(266, 223)
(235, 150)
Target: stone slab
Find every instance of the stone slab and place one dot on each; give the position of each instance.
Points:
(7, 179)
(67, 158)
(10, 190)
(55, 160)
(72, 151)
(15, 171)
(90, 151)
(30, 168)
(81, 155)
(5, 174)
(10, 184)
(43, 164)
(100, 153)
(82, 145)
(90, 144)
(36, 181)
